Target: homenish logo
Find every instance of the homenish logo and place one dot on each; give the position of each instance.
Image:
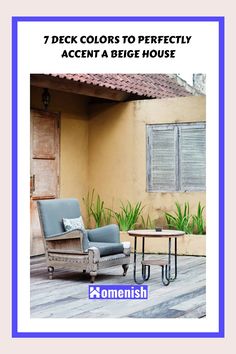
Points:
(118, 292)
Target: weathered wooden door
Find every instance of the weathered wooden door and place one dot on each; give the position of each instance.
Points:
(44, 168)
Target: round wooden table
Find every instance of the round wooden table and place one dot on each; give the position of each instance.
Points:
(146, 264)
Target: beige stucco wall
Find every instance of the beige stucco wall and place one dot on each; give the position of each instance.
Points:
(117, 150)
(103, 146)
(73, 140)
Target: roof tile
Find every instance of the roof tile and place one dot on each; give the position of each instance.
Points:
(144, 85)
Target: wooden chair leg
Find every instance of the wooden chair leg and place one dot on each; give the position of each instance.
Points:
(93, 276)
(125, 268)
(50, 272)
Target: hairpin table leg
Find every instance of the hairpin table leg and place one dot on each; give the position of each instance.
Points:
(164, 276)
(169, 275)
(145, 276)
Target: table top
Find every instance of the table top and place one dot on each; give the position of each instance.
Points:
(154, 233)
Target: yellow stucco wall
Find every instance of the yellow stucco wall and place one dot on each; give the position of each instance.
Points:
(117, 150)
(103, 146)
(73, 140)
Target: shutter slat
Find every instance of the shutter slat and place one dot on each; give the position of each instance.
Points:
(176, 157)
(192, 157)
(163, 159)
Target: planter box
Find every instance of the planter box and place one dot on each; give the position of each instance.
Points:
(189, 245)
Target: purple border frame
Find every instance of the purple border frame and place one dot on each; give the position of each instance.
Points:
(15, 332)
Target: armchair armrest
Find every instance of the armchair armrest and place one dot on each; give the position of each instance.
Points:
(127, 248)
(94, 255)
(109, 233)
(69, 241)
(78, 233)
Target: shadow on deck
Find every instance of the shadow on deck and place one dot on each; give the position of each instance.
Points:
(66, 296)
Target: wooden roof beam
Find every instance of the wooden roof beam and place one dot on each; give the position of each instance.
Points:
(76, 87)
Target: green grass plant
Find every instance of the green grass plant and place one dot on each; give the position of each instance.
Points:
(181, 219)
(147, 223)
(199, 221)
(107, 216)
(97, 210)
(128, 215)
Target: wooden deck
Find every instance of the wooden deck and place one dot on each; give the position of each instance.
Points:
(66, 296)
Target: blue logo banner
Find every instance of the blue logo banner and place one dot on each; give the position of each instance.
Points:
(118, 292)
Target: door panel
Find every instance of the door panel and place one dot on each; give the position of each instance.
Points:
(44, 166)
(44, 137)
(45, 178)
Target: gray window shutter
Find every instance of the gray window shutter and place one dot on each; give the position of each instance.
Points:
(192, 156)
(162, 157)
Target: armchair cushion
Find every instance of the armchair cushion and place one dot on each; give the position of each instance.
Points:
(72, 224)
(107, 248)
(77, 224)
(107, 234)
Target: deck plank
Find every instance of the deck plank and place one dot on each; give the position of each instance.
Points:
(66, 296)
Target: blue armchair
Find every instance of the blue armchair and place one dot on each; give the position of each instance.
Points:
(79, 249)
